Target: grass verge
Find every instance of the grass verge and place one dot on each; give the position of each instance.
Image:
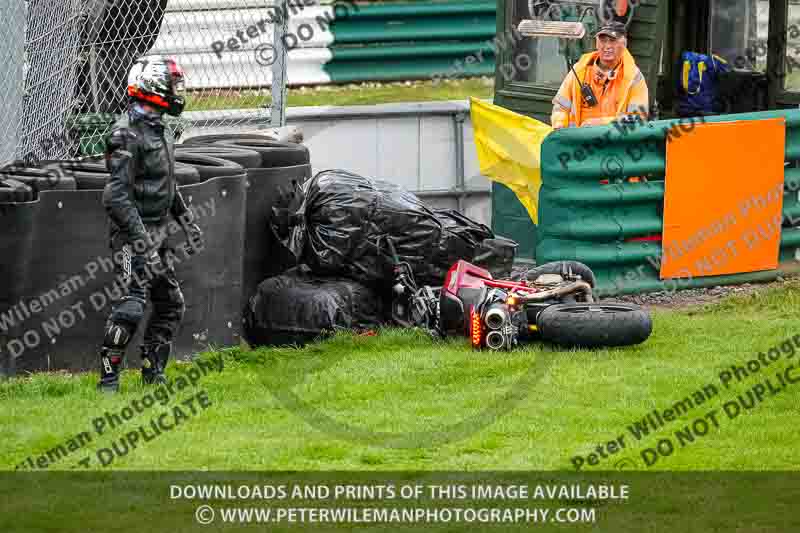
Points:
(332, 404)
(350, 94)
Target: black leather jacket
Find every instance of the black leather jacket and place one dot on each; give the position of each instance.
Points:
(140, 156)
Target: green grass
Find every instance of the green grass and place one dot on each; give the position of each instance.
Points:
(350, 94)
(399, 400)
(391, 404)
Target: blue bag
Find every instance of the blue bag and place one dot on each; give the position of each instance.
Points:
(696, 83)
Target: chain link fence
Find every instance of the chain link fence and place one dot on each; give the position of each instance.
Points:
(65, 66)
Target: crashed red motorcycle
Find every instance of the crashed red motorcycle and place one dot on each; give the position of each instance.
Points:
(553, 302)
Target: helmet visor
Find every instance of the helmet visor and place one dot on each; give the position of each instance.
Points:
(179, 86)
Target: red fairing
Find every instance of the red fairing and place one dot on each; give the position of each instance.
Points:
(465, 275)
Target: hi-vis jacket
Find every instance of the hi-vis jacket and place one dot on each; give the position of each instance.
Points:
(625, 95)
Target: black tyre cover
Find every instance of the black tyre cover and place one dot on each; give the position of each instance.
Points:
(464, 238)
(345, 222)
(263, 254)
(296, 308)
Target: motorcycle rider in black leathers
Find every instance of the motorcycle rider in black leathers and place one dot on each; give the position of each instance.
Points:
(141, 198)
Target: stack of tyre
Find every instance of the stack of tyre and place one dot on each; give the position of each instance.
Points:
(196, 160)
(20, 182)
(266, 164)
(270, 166)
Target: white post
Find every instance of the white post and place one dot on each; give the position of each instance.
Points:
(278, 109)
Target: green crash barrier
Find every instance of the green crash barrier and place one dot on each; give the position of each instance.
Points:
(509, 217)
(417, 40)
(588, 211)
(608, 194)
(419, 9)
(407, 61)
(598, 254)
(404, 69)
(412, 51)
(414, 28)
(633, 253)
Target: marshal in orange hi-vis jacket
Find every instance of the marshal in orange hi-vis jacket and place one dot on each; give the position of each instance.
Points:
(611, 76)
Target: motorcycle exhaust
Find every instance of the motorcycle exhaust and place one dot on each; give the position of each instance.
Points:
(496, 316)
(575, 286)
(495, 340)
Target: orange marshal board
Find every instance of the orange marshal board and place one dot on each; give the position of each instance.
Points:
(723, 199)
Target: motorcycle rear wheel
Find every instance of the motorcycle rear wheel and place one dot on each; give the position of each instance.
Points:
(592, 325)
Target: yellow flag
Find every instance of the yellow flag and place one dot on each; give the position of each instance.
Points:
(509, 147)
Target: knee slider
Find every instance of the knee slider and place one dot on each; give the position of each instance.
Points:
(117, 336)
(129, 311)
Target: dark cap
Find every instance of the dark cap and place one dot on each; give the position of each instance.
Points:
(612, 29)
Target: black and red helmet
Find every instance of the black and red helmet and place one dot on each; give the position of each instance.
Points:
(159, 81)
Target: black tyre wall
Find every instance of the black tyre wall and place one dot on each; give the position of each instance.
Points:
(46, 177)
(187, 174)
(273, 153)
(199, 140)
(263, 255)
(245, 158)
(48, 244)
(209, 167)
(88, 175)
(93, 175)
(41, 180)
(16, 250)
(12, 190)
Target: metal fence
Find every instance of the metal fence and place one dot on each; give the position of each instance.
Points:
(66, 62)
(65, 66)
(340, 41)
